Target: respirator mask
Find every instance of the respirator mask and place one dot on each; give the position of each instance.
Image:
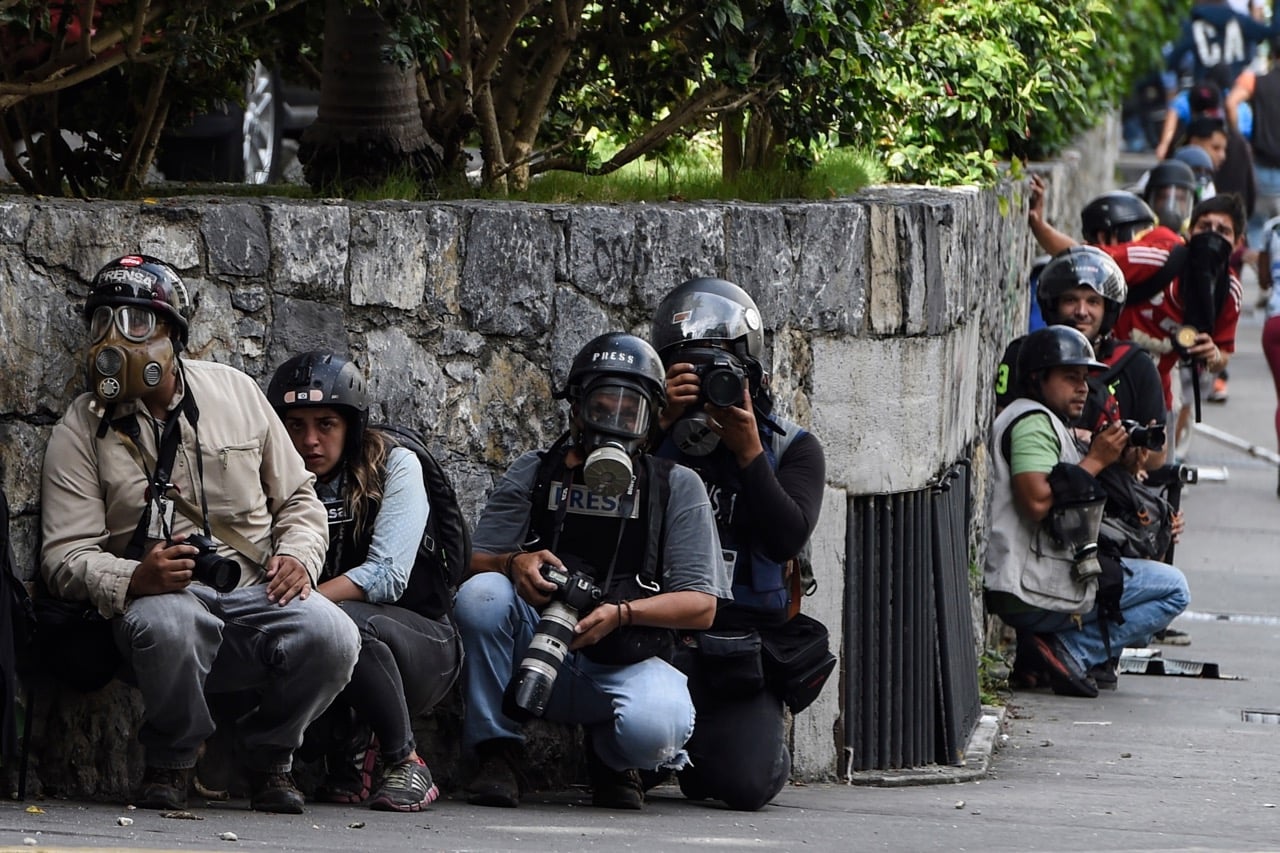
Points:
(614, 424)
(126, 359)
(722, 379)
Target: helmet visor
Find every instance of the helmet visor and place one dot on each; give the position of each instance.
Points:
(1173, 205)
(617, 409)
(133, 322)
(705, 317)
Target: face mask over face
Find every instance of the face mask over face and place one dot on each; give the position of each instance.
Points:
(613, 423)
(127, 358)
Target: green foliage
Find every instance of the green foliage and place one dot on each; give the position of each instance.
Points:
(975, 83)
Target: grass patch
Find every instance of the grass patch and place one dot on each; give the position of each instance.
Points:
(838, 173)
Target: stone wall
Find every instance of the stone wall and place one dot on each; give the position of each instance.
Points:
(886, 313)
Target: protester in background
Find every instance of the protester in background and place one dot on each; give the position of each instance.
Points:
(410, 654)
(160, 433)
(1268, 272)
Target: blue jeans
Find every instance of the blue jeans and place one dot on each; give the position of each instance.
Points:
(1154, 593)
(638, 716)
(181, 645)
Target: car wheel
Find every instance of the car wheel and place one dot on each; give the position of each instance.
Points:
(233, 144)
(259, 159)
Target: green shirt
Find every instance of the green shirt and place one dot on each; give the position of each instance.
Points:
(1033, 445)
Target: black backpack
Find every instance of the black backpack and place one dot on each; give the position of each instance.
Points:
(444, 554)
(17, 629)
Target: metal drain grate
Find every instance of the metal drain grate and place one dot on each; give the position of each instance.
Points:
(1256, 716)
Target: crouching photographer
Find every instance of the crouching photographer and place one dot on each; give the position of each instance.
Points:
(1044, 564)
(765, 476)
(586, 558)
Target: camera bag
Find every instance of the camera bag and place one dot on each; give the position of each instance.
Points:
(732, 665)
(797, 660)
(1137, 521)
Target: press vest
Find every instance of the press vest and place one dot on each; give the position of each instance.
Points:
(759, 583)
(1022, 558)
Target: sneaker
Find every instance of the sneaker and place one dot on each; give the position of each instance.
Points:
(406, 787)
(274, 791)
(351, 770)
(1105, 676)
(1219, 392)
(496, 782)
(613, 789)
(1066, 676)
(164, 788)
(1171, 637)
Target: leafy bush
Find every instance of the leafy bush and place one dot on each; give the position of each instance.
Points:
(978, 82)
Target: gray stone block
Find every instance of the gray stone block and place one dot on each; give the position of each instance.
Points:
(309, 249)
(235, 237)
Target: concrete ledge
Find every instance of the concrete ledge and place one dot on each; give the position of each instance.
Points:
(977, 760)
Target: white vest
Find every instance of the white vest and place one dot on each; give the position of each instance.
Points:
(1023, 559)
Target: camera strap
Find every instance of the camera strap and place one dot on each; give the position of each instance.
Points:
(128, 429)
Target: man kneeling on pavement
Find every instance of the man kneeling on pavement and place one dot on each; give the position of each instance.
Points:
(1042, 573)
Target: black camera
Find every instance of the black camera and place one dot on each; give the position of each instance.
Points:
(722, 382)
(1149, 437)
(212, 570)
(530, 687)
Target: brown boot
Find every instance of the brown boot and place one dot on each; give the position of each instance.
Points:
(164, 788)
(613, 789)
(496, 783)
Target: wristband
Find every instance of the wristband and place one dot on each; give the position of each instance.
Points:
(631, 617)
(510, 563)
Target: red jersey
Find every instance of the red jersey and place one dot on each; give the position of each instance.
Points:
(1151, 324)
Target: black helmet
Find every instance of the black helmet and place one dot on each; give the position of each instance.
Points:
(322, 378)
(1119, 213)
(711, 311)
(1198, 159)
(1082, 266)
(145, 281)
(1054, 346)
(1170, 173)
(618, 356)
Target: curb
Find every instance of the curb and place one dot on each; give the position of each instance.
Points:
(976, 763)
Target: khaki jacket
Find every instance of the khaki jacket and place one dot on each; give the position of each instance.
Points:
(93, 489)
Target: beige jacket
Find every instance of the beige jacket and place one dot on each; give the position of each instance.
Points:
(93, 490)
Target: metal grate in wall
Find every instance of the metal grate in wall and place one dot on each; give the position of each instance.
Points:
(911, 681)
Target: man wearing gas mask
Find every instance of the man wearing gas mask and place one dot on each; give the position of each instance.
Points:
(173, 501)
(1042, 567)
(586, 558)
(765, 476)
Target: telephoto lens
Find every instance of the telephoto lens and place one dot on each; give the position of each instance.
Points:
(530, 688)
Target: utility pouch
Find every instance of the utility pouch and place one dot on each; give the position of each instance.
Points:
(797, 660)
(731, 664)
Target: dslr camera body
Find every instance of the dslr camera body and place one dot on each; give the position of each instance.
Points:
(530, 687)
(1147, 437)
(212, 570)
(722, 379)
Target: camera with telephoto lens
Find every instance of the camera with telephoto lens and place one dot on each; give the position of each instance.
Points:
(530, 688)
(722, 382)
(1140, 435)
(221, 573)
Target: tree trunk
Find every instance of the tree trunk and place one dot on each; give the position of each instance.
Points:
(369, 126)
(731, 145)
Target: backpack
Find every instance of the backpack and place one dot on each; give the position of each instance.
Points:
(17, 629)
(1137, 521)
(444, 554)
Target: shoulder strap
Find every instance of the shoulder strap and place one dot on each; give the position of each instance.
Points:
(227, 534)
(659, 486)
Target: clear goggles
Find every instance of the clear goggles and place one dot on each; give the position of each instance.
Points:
(133, 322)
(617, 409)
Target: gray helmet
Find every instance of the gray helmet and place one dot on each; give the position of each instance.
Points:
(322, 378)
(146, 282)
(712, 311)
(617, 355)
(1082, 266)
(1054, 346)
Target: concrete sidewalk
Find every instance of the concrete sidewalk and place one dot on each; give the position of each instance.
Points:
(1166, 762)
